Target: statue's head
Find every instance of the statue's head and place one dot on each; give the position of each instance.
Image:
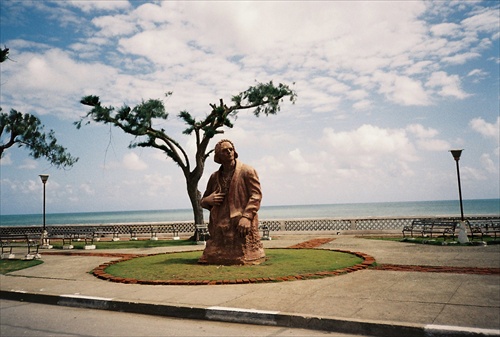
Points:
(218, 148)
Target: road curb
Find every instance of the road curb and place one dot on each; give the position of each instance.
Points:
(250, 316)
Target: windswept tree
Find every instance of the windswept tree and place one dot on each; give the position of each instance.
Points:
(139, 121)
(26, 130)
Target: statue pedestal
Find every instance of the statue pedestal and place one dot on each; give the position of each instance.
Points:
(229, 255)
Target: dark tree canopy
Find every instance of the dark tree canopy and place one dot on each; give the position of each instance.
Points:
(26, 130)
(4, 54)
(263, 98)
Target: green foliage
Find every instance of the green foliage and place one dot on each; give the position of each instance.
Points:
(265, 97)
(136, 121)
(4, 54)
(139, 121)
(26, 130)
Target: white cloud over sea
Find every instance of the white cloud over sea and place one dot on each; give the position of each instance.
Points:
(385, 89)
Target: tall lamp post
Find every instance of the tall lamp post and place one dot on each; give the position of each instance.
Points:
(456, 155)
(45, 240)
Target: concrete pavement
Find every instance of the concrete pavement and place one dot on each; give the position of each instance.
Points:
(456, 301)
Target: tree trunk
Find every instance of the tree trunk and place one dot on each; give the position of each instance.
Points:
(195, 198)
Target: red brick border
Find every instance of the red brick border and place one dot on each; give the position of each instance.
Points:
(100, 272)
(368, 261)
(439, 269)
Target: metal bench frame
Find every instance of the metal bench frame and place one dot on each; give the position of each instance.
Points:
(28, 240)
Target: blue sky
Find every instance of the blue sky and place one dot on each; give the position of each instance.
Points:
(385, 90)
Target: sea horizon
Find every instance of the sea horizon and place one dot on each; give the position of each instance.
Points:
(472, 207)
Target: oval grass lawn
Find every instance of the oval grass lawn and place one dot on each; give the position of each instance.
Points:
(279, 263)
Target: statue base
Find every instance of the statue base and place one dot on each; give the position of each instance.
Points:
(228, 255)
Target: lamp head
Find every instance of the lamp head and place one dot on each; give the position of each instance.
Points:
(44, 177)
(456, 154)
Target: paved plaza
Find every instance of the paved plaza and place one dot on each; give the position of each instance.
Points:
(415, 290)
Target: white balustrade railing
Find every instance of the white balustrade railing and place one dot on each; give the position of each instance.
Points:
(283, 225)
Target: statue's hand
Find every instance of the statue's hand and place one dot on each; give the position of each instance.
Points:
(244, 226)
(215, 199)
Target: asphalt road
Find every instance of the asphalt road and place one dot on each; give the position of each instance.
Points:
(31, 319)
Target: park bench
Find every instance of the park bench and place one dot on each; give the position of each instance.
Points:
(424, 227)
(416, 226)
(265, 232)
(30, 241)
(102, 231)
(74, 234)
(164, 228)
(202, 233)
(489, 227)
(154, 230)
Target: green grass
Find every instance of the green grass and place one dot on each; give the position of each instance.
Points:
(128, 244)
(7, 266)
(279, 263)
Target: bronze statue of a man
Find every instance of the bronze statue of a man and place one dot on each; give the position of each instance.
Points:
(233, 198)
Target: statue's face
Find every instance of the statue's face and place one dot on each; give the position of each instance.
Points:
(226, 153)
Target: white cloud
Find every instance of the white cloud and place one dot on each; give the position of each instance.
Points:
(477, 75)
(362, 105)
(488, 130)
(113, 26)
(376, 83)
(56, 75)
(437, 145)
(461, 58)
(484, 20)
(401, 89)
(426, 138)
(28, 164)
(445, 29)
(300, 164)
(132, 161)
(474, 174)
(6, 159)
(421, 132)
(87, 189)
(368, 144)
(157, 184)
(101, 5)
(488, 164)
(447, 85)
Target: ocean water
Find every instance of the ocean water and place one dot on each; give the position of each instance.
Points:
(345, 211)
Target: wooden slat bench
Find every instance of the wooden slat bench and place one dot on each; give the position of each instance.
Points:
(489, 227)
(102, 231)
(424, 227)
(153, 231)
(74, 234)
(202, 234)
(28, 240)
(416, 226)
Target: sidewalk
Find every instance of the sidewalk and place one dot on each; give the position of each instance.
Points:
(381, 301)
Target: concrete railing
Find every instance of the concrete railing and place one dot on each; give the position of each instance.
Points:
(354, 225)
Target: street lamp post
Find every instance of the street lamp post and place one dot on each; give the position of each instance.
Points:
(456, 155)
(45, 239)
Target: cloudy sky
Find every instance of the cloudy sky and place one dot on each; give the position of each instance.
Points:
(385, 90)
